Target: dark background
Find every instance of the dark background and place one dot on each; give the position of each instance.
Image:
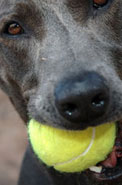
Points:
(13, 140)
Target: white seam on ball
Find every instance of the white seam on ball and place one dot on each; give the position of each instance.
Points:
(83, 154)
(90, 145)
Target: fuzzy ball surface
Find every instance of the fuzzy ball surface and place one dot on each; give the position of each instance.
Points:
(71, 151)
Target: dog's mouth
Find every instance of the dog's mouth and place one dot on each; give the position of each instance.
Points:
(111, 168)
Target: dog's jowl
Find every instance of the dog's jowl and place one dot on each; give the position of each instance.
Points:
(61, 64)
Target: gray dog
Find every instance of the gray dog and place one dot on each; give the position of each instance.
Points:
(60, 63)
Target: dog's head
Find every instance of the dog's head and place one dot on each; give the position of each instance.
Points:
(61, 60)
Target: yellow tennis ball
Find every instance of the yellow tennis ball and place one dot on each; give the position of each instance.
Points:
(71, 151)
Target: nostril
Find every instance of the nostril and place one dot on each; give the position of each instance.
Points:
(82, 99)
(99, 101)
(69, 109)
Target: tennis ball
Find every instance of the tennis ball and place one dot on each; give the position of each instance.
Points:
(71, 151)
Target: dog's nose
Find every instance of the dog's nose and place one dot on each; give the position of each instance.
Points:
(82, 99)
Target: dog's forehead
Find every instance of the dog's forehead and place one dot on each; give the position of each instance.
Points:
(39, 2)
(56, 3)
(76, 4)
(13, 5)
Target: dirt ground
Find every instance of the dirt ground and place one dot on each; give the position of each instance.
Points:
(13, 140)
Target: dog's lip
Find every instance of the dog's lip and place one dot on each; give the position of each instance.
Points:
(110, 173)
(112, 166)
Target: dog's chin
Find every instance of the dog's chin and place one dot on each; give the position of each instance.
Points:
(111, 168)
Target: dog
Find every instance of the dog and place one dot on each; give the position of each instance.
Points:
(60, 63)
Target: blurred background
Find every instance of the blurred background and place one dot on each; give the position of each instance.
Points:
(13, 141)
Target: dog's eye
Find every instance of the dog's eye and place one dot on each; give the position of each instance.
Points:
(99, 3)
(13, 28)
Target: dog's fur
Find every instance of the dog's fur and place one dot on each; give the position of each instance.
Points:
(61, 38)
